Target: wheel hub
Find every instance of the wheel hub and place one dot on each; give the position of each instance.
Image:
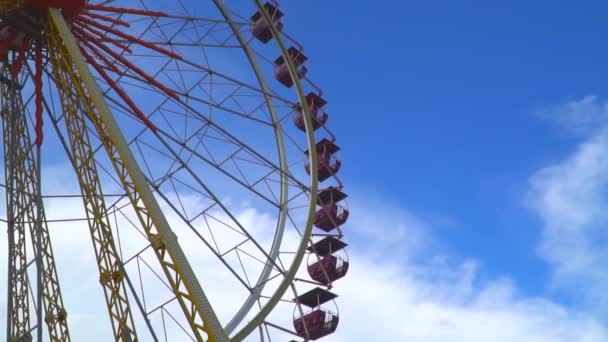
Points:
(70, 8)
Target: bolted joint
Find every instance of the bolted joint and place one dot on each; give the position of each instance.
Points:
(111, 276)
(61, 316)
(157, 242)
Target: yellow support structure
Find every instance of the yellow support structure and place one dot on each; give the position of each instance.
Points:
(180, 275)
(111, 272)
(16, 201)
(17, 139)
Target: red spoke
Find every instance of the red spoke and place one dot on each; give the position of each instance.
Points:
(131, 66)
(85, 29)
(130, 38)
(106, 18)
(118, 90)
(101, 56)
(125, 10)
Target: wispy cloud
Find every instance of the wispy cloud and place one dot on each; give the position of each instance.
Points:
(581, 117)
(395, 298)
(403, 287)
(385, 297)
(571, 198)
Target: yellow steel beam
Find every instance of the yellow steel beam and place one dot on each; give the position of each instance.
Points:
(16, 213)
(17, 139)
(108, 260)
(180, 275)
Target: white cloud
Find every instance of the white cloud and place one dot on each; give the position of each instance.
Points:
(381, 302)
(385, 226)
(581, 117)
(570, 197)
(390, 294)
(385, 298)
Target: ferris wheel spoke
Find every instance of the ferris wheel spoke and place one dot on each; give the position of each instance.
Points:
(175, 265)
(189, 44)
(223, 170)
(168, 313)
(200, 68)
(229, 138)
(185, 145)
(215, 251)
(262, 280)
(187, 93)
(206, 29)
(244, 181)
(220, 203)
(201, 84)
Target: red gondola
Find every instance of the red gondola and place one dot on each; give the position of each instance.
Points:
(261, 28)
(319, 322)
(318, 115)
(328, 164)
(281, 72)
(332, 214)
(328, 267)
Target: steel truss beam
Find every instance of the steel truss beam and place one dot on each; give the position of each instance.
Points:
(73, 73)
(111, 272)
(17, 201)
(27, 212)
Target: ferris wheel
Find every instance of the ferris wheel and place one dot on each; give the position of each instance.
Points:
(200, 158)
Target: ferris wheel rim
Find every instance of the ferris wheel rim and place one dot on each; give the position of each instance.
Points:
(287, 282)
(312, 157)
(312, 188)
(283, 211)
(288, 274)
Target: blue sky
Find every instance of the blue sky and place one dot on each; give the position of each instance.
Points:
(448, 109)
(474, 137)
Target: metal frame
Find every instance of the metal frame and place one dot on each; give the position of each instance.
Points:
(27, 187)
(18, 201)
(111, 275)
(193, 301)
(91, 105)
(307, 233)
(284, 196)
(255, 296)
